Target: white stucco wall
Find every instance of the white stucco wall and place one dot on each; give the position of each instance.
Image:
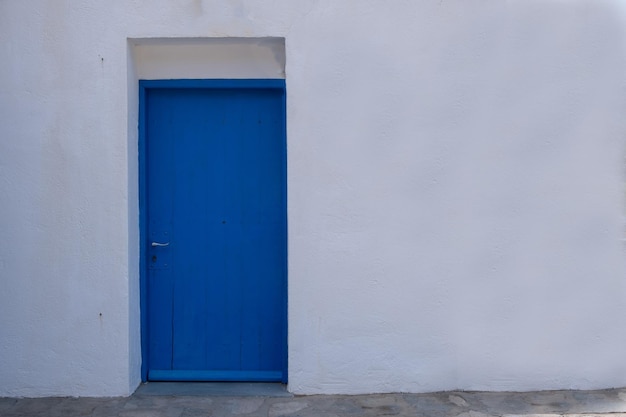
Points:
(456, 190)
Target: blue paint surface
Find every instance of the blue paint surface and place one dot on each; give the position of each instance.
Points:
(214, 188)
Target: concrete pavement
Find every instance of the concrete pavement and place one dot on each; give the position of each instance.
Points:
(196, 401)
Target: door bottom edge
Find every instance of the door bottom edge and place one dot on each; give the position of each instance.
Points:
(207, 376)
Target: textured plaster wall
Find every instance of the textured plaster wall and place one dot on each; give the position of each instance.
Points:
(456, 192)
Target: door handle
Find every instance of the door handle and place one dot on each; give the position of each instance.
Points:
(153, 244)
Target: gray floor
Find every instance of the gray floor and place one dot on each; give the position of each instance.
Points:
(212, 399)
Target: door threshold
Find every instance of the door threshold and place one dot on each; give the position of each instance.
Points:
(214, 389)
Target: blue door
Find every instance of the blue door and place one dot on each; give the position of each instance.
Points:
(213, 200)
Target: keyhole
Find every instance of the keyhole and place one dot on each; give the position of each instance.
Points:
(153, 258)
